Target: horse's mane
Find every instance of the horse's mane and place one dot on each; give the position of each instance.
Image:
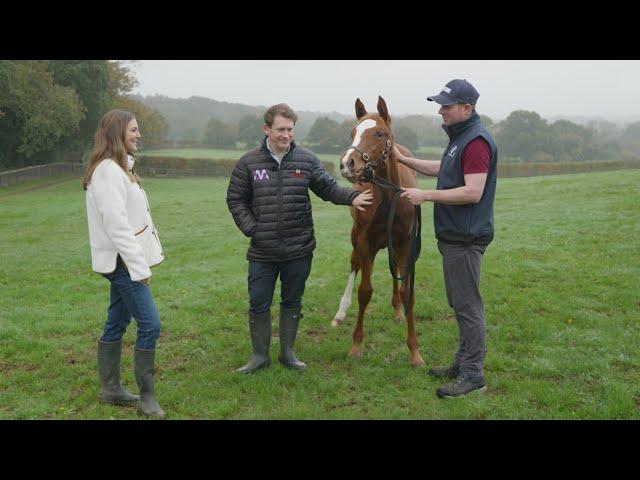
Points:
(406, 176)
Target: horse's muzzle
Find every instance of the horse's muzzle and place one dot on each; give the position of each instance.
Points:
(349, 175)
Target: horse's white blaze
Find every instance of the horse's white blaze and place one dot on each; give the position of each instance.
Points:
(367, 124)
(346, 298)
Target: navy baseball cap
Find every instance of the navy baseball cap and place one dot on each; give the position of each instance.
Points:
(456, 91)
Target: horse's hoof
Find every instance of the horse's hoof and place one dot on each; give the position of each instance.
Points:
(335, 322)
(418, 363)
(354, 354)
(399, 319)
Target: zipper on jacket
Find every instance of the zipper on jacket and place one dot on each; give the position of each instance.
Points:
(153, 230)
(145, 198)
(157, 240)
(280, 200)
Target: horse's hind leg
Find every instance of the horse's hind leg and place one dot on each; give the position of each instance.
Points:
(345, 302)
(405, 292)
(412, 338)
(396, 301)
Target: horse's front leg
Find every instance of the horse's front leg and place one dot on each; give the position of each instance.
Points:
(345, 302)
(365, 290)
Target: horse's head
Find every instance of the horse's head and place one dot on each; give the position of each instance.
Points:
(371, 141)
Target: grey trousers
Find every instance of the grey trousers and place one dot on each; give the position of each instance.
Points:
(461, 265)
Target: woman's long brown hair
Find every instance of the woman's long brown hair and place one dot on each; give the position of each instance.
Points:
(108, 142)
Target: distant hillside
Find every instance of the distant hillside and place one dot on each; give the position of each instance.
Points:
(188, 117)
(620, 121)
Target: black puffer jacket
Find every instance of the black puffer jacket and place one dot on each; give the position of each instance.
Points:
(271, 204)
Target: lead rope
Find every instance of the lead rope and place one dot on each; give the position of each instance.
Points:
(415, 239)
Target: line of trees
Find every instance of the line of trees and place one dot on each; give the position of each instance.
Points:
(325, 135)
(525, 136)
(522, 137)
(49, 109)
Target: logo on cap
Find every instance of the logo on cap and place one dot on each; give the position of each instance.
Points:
(456, 91)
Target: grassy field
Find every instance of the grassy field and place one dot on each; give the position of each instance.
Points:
(216, 154)
(432, 153)
(559, 284)
(210, 153)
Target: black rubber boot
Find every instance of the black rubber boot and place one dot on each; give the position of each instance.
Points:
(289, 320)
(109, 371)
(144, 361)
(260, 332)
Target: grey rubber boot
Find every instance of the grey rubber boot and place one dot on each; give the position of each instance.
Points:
(109, 371)
(144, 361)
(260, 332)
(289, 320)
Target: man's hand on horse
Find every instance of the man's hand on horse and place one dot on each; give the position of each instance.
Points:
(399, 156)
(415, 195)
(362, 200)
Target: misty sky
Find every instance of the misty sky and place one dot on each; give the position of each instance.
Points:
(594, 88)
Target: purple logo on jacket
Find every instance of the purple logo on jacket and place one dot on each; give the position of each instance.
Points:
(260, 174)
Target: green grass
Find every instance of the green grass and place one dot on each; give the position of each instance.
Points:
(206, 153)
(431, 153)
(559, 284)
(216, 154)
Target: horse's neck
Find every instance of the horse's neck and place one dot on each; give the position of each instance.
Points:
(393, 175)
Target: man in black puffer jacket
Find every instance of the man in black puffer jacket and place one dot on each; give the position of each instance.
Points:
(269, 200)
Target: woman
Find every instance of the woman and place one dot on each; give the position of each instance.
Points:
(124, 246)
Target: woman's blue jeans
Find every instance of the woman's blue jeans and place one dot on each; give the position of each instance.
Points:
(130, 298)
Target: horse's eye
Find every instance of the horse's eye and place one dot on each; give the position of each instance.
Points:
(378, 134)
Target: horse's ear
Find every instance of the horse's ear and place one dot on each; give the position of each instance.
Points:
(360, 110)
(382, 110)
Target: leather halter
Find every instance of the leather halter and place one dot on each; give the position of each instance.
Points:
(371, 165)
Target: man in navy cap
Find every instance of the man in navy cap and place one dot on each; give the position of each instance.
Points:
(463, 221)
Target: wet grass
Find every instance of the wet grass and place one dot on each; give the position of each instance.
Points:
(559, 285)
